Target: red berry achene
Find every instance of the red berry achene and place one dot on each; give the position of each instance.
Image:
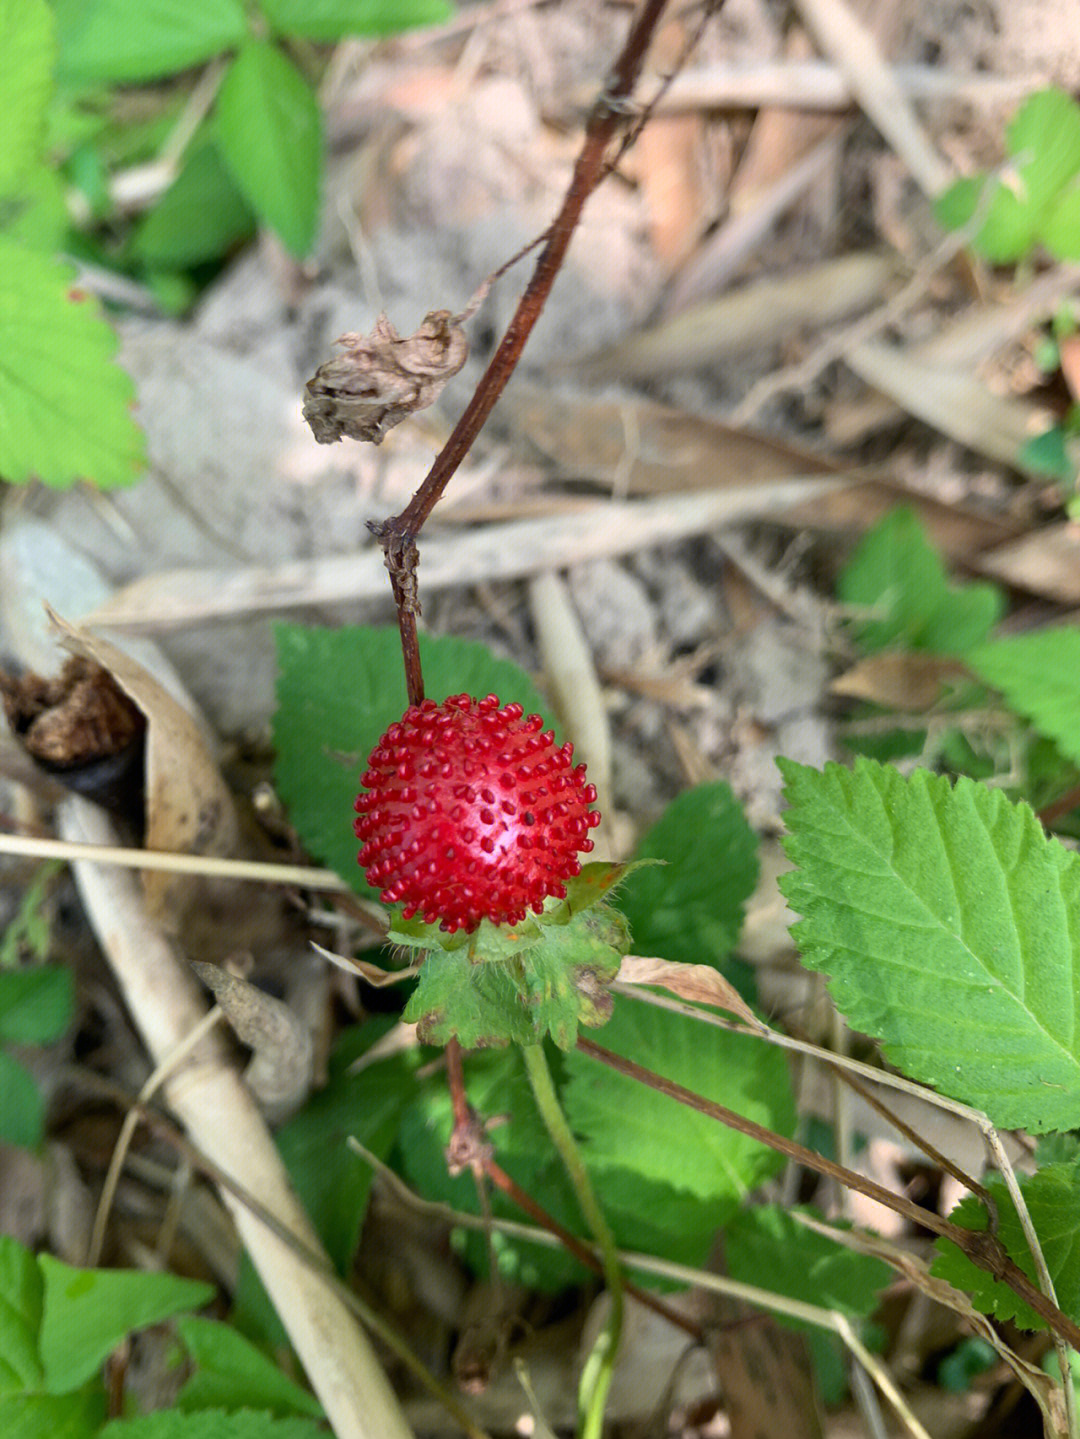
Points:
(470, 811)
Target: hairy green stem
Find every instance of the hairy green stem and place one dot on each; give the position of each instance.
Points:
(600, 1365)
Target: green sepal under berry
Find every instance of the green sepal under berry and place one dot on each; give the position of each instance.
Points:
(516, 984)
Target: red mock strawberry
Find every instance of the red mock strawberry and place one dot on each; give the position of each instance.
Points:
(471, 811)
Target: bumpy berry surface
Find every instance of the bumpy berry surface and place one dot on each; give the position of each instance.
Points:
(471, 811)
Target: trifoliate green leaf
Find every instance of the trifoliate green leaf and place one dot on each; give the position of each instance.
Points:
(950, 927)
(65, 406)
(334, 19)
(1039, 675)
(115, 40)
(896, 575)
(690, 907)
(269, 132)
(232, 1373)
(767, 1246)
(21, 1301)
(27, 53)
(36, 1003)
(88, 1311)
(625, 1125)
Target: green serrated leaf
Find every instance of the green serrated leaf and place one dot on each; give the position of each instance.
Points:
(22, 1109)
(1044, 135)
(625, 1125)
(1060, 227)
(896, 573)
(1047, 454)
(333, 1182)
(114, 40)
(949, 925)
(269, 131)
(65, 406)
(213, 1424)
(955, 206)
(767, 1246)
(36, 1003)
(200, 217)
(21, 1301)
(27, 54)
(338, 691)
(690, 908)
(1053, 1197)
(334, 19)
(233, 1374)
(88, 1311)
(35, 213)
(1039, 675)
(53, 1416)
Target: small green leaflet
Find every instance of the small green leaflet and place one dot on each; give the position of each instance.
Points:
(1052, 1196)
(22, 1109)
(269, 131)
(88, 1311)
(950, 926)
(690, 909)
(21, 1301)
(36, 1003)
(767, 1246)
(1039, 675)
(338, 691)
(200, 216)
(27, 52)
(624, 1125)
(897, 574)
(115, 40)
(1038, 200)
(233, 1374)
(65, 406)
(53, 1416)
(334, 19)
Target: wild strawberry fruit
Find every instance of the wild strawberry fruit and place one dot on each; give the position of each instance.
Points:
(471, 811)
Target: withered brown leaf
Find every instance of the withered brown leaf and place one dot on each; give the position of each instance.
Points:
(383, 377)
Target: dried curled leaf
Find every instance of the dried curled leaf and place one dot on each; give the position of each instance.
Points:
(383, 377)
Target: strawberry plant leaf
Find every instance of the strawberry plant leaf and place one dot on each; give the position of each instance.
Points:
(113, 40)
(334, 1182)
(65, 406)
(21, 1302)
(35, 213)
(200, 216)
(22, 1109)
(27, 53)
(36, 1003)
(1039, 675)
(766, 1245)
(330, 20)
(896, 573)
(624, 1125)
(1052, 1196)
(690, 908)
(233, 1374)
(212, 1424)
(53, 1416)
(88, 1311)
(1044, 136)
(269, 131)
(338, 691)
(478, 1004)
(949, 924)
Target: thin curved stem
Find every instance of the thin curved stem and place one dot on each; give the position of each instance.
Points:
(600, 1365)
